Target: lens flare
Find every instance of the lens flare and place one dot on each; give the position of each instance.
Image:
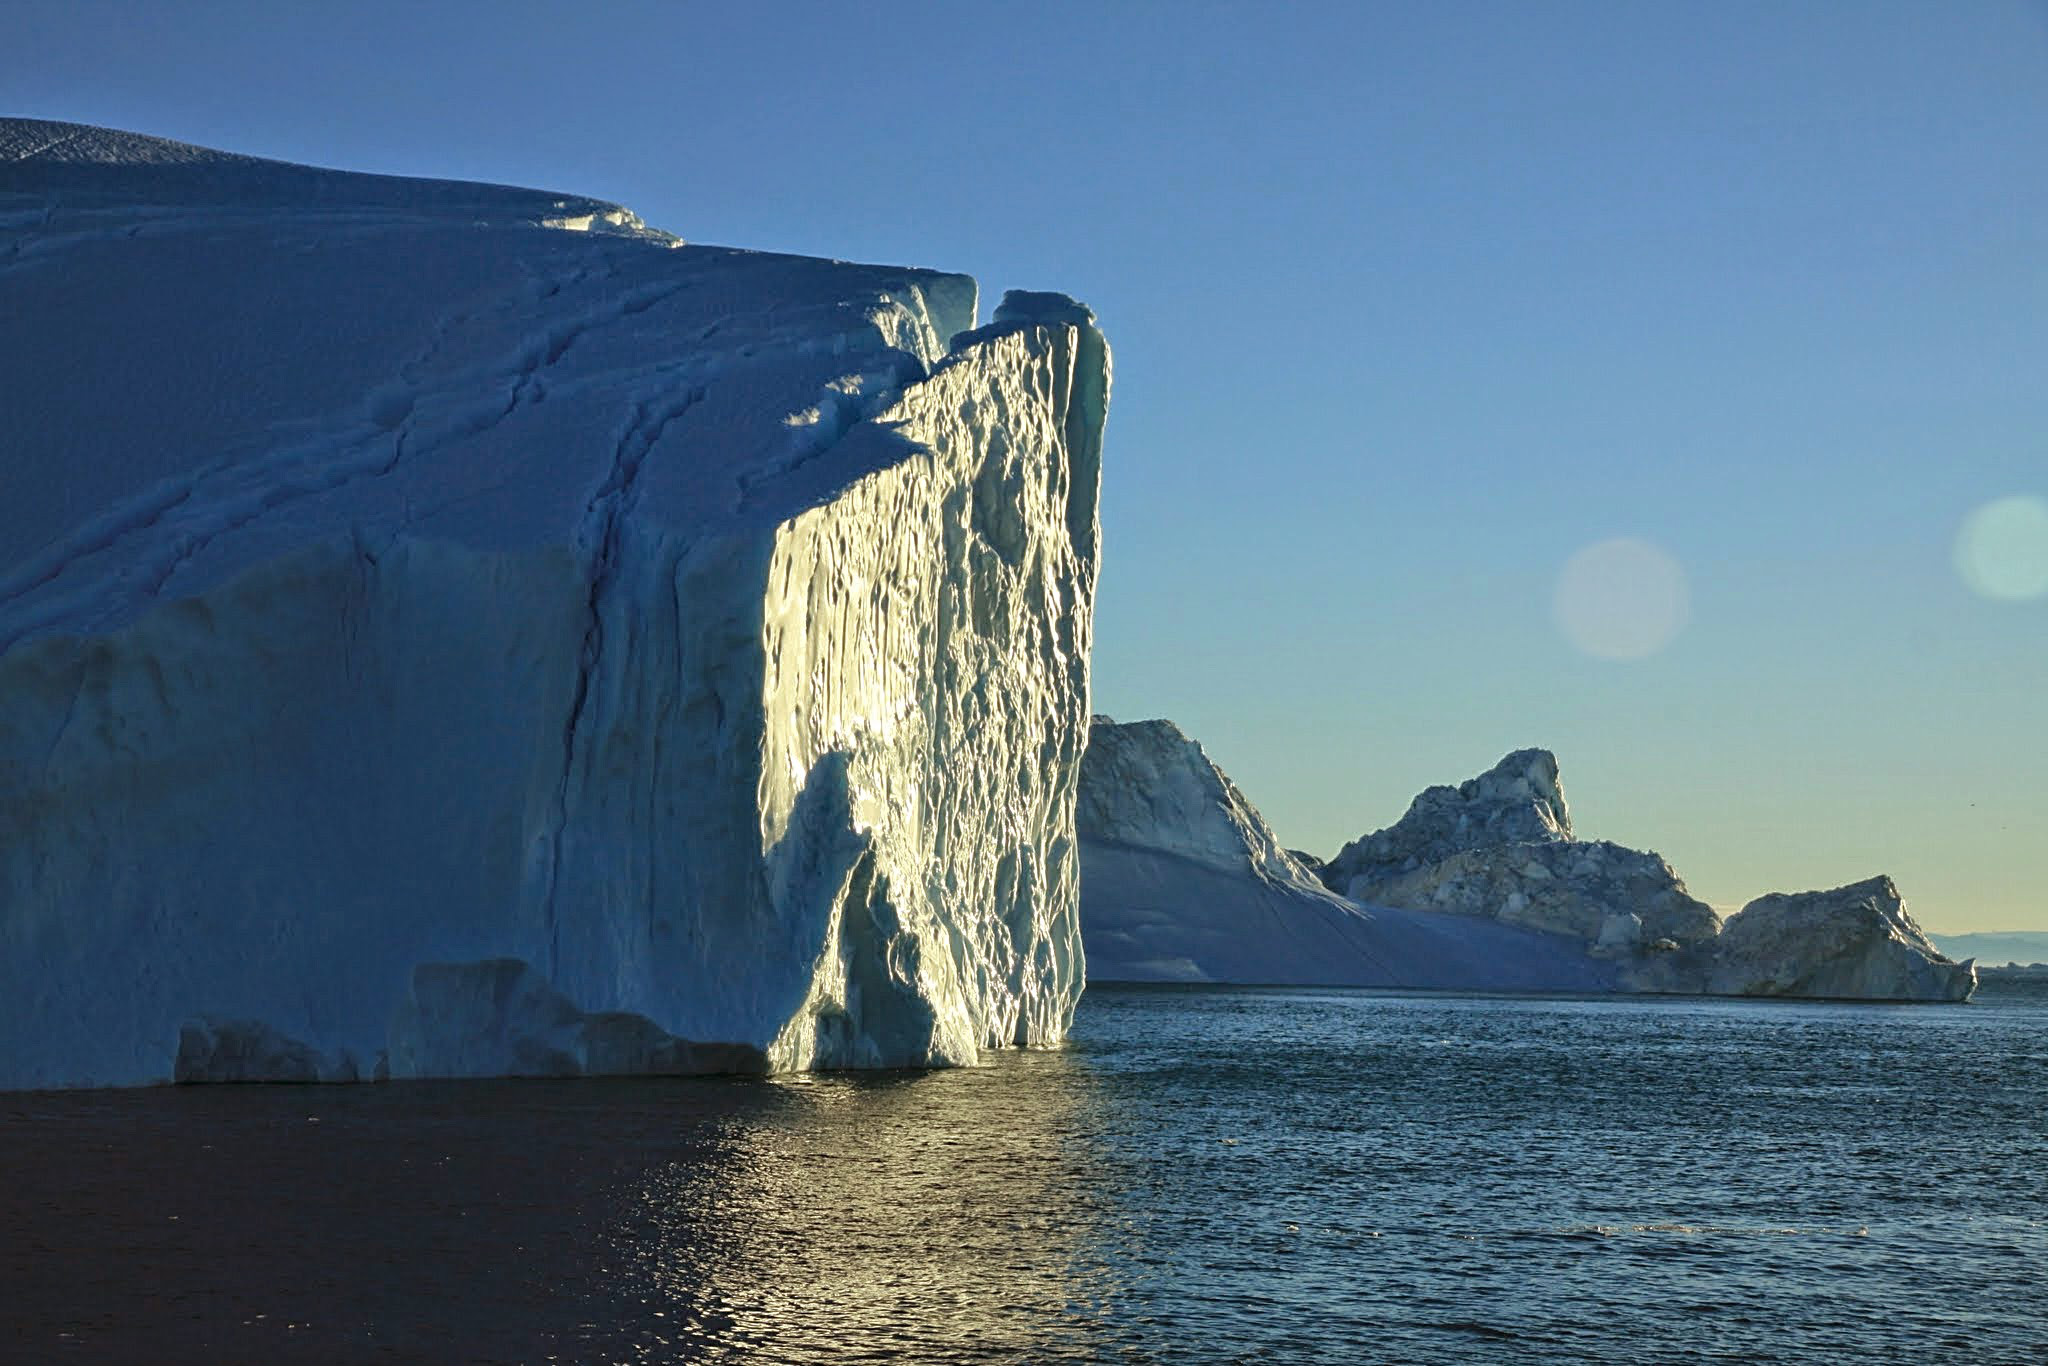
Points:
(2002, 550)
(1621, 599)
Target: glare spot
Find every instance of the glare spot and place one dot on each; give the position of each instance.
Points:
(2002, 550)
(1621, 599)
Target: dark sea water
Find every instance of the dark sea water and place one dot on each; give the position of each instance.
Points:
(1204, 1175)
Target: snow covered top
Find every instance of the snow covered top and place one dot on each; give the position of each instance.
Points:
(1025, 308)
(1519, 800)
(230, 357)
(83, 163)
(1043, 306)
(1147, 785)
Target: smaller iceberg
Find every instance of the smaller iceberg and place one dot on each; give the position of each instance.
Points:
(1183, 880)
(1483, 886)
(1856, 942)
(1501, 845)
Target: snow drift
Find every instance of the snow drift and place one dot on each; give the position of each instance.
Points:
(456, 630)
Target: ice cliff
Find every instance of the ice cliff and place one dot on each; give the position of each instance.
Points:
(1182, 880)
(455, 630)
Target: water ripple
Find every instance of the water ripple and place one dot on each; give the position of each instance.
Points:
(1205, 1175)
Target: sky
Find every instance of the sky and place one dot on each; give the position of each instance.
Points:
(1663, 385)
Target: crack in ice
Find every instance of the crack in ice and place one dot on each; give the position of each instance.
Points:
(603, 521)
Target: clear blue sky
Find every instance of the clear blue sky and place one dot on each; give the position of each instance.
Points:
(1410, 303)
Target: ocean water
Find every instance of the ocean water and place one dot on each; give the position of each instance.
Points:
(1203, 1175)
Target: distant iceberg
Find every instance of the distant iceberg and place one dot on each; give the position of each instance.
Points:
(1479, 887)
(1182, 880)
(452, 630)
(1501, 846)
(1856, 942)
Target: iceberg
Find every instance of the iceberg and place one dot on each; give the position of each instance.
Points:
(454, 630)
(1501, 845)
(1479, 887)
(1856, 942)
(1183, 880)
(1520, 800)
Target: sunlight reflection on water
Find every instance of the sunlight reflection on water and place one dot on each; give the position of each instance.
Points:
(914, 1214)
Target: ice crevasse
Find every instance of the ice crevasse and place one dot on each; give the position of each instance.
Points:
(452, 630)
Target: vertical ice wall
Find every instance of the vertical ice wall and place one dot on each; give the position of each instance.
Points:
(437, 642)
(926, 708)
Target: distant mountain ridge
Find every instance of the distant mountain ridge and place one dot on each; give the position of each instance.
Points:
(1993, 948)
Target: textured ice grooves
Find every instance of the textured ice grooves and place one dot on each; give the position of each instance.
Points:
(308, 468)
(602, 522)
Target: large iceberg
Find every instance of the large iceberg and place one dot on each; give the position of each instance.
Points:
(1183, 880)
(456, 630)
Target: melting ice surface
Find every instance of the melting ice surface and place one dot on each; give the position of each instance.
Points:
(1203, 1175)
(455, 630)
